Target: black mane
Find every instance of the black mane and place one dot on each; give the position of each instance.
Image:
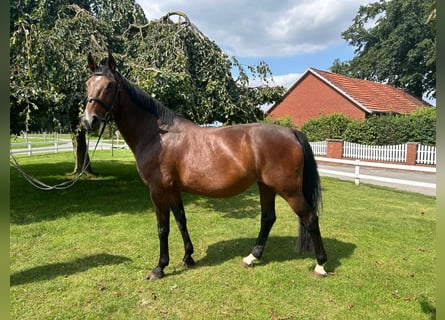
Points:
(149, 103)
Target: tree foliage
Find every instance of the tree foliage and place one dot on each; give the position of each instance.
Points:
(432, 16)
(48, 45)
(169, 57)
(178, 64)
(393, 45)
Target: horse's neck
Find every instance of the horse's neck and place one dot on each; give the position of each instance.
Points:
(136, 125)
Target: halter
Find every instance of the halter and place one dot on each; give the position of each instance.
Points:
(108, 107)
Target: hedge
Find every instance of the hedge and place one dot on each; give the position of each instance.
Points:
(389, 129)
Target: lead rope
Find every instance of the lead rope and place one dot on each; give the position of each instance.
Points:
(63, 185)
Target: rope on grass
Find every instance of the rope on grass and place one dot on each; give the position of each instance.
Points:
(60, 186)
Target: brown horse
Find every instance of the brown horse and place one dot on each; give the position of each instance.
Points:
(174, 155)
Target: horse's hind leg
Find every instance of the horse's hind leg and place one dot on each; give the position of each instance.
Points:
(309, 230)
(179, 214)
(268, 217)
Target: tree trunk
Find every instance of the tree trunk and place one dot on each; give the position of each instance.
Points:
(82, 158)
(80, 147)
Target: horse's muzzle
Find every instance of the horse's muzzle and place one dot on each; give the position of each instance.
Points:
(90, 123)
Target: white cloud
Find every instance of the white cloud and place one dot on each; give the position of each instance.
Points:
(287, 80)
(263, 27)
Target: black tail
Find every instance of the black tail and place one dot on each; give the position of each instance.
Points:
(311, 190)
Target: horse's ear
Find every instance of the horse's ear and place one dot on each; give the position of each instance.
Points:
(111, 62)
(91, 63)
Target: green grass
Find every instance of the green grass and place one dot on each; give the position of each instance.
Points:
(83, 253)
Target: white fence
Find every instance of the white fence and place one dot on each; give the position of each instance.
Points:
(320, 148)
(359, 176)
(61, 145)
(426, 154)
(30, 147)
(395, 153)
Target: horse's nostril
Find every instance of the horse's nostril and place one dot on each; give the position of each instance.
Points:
(94, 121)
(85, 123)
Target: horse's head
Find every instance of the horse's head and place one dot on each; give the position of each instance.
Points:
(102, 93)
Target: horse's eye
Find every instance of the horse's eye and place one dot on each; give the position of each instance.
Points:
(110, 86)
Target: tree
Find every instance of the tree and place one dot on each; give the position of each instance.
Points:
(432, 16)
(174, 61)
(393, 45)
(48, 49)
(171, 59)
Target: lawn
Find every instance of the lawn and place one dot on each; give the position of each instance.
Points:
(84, 252)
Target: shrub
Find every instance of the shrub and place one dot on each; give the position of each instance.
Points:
(284, 121)
(326, 127)
(418, 126)
(376, 130)
(359, 131)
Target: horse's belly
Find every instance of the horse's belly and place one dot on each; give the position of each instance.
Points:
(217, 184)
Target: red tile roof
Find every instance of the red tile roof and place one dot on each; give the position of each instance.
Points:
(373, 97)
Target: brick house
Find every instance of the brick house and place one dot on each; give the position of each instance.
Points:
(317, 93)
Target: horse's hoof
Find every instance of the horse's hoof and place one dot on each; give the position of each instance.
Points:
(319, 275)
(189, 262)
(155, 276)
(245, 264)
(319, 272)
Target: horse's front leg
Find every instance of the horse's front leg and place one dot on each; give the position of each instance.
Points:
(179, 213)
(162, 209)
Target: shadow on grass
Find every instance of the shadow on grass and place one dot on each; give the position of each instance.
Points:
(428, 307)
(278, 249)
(243, 205)
(51, 271)
(116, 187)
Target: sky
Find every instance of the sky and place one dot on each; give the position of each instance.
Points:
(289, 35)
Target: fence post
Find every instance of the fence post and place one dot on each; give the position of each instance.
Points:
(357, 172)
(29, 149)
(334, 148)
(55, 147)
(411, 153)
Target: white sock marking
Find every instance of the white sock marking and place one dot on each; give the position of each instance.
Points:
(249, 260)
(320, 270)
